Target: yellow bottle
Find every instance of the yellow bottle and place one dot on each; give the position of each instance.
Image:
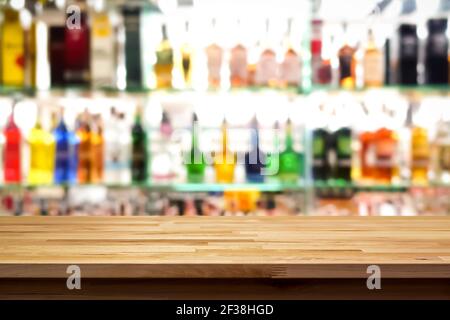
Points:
(420, 155)
(96, 150)
(42, 155)
(225, 160)
(186, 60)
(373, 64)
(164, 62)
(13, 49)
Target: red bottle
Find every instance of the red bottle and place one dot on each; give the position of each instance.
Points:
(77, 48)
(11, 163)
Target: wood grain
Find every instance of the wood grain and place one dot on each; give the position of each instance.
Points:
(225, 247)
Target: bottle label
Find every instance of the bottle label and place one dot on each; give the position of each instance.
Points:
(345, 66)
(13, 55)
(344, 146)
(238, 63)
(385, 151)
(103, 53)
(77, 54)
(438, 46)
(291, 69)
(266, 69)
(318, 147)
(409, 47)
(373, 68)
(444, 157)
(12, 153)
(164, 57)
(214, 55)
(186, 63)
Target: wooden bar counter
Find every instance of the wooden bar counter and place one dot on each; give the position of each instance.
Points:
(224, 257)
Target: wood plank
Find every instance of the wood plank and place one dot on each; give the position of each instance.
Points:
(225, 247)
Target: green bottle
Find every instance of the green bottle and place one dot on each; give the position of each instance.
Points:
(273, 159)
(139, 156)
(290, 161)
(195, 164)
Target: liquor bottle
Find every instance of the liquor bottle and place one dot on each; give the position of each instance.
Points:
(132, 23)
(55, 20)
(30, 46)
(42, 154)
(139, 150)
(2, 145)
(316, 49)
(420, 155)
(373, 63)
(85, 149)
(12, 53)
(342, 139)
(408, 54)
(77, 48)
(123, 129)
(341, 142)
(320, 146)
(112, 148)
(273, 158)
(238, 64)
(290, 68)
(386, 143)
(97, 147)
(225, 160)
(162, 160)
(12, 169)
(436, 63)
(103, 55)
(325, 70)
(164, 61)
(290, 160)
(214, 55)
(346, 56)
(196, 164)
(66, 153)
(441, 154)
(255, 159)
(367, 155)
(388, 74)
(267, 67)
(186, 58)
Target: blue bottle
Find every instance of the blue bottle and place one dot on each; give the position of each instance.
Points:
(65, 156)
(255, 159)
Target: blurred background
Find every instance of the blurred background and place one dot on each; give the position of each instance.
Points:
(213, 107)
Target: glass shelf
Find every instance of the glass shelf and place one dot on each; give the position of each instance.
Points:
(323, 187)
(442, 90)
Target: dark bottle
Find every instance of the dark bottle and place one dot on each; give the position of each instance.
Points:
(132, 23)
(139, 159)
(196, 164)
(436, 61)
(342, 141)
(77, 47)
(255, 159)
(408, 54)
(387, 62)
(320, 145)
(56, 23)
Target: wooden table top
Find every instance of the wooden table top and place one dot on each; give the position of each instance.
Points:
(225, 247)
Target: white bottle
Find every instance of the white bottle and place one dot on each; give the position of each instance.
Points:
(124, 138)
(103, 54)
(163, 160)
(112, 148)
